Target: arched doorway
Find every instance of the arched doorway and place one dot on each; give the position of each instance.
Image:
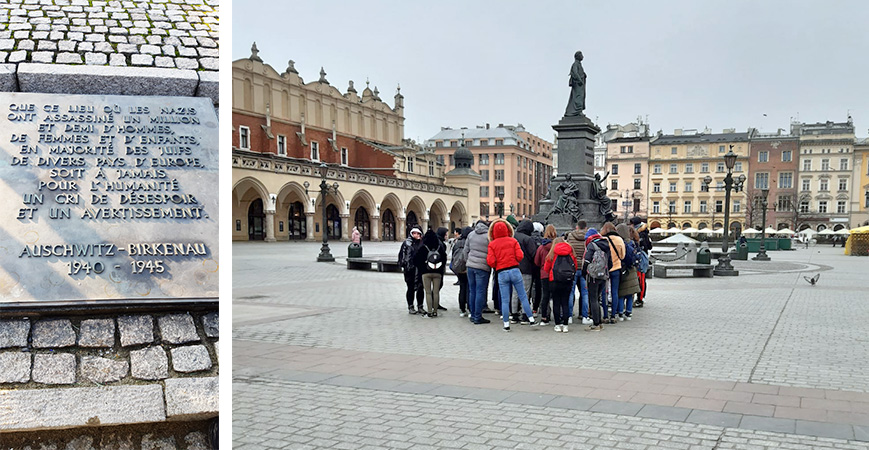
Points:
(410, 222)
(701, 226)
(735, 228)
(363, 223)
(434, 220)
(256, 221)
(388, 220)
(333, 222)
(298, 225)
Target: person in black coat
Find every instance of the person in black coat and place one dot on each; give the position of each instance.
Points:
(526, 267)
(432, 269)
(411, 276)
(594, 243)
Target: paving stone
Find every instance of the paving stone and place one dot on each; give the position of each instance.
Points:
(69, 58)
(187, 63)
(117, 441)
(141, 60)
(76, 407)
(217, 349)
(151, 442)
(55, 368)
(80, 442)
(191, 358)
(103, 370)
(42, 57)
(97, 333)
(95, 58)
(664, 412)
(136, 330)
(7, 44)
(196, 440)
(26, 44)
(118, 60)
(177, 328)
(191, 398)
(17, 56)
(715, 418)
(13, 333)
(54, 333)
(210, 321)
(164, 61)
(14, 367)
(209, 63)
(831, 430)
(85, 47)
(149, 363)
(768, 424)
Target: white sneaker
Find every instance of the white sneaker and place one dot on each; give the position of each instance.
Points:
(586, 321)
(531, 320)
(621, 318)
(570, 320)
(627, 317)
(558, 328)
(564, 328)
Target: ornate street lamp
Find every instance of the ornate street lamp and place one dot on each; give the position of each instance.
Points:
(761, 255)
(325, 255)
(500, 204)
(724, 268)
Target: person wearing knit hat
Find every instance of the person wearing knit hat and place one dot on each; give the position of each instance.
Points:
(512, 220)
(412, 279)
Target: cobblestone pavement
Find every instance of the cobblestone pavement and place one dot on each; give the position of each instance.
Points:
(764, 329)
(180, 34)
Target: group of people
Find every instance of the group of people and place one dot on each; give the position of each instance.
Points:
(535, 273)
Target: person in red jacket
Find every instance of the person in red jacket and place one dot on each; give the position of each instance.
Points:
(504, 255)
(560, 288)
(540, 260)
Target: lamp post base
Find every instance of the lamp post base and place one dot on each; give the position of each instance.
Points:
(325, 255)
(762, 256)
(724, 268)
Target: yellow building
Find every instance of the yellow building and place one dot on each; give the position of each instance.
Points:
(860, 194)
(679, 163)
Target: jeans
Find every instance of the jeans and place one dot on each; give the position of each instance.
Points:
(431, 283)
(478, 286)
(526, 283)
(627, 303)
(508, 279)
(618, 307)
(545, 299)
(414, 287)
(596, 292)
(583, 291)
(463, 291)
(560, 294)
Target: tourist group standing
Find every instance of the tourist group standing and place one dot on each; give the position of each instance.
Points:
(537, 276)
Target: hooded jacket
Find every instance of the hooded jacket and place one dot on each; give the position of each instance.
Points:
(590, 250)
(540, 256)
(459, 245)
(576, 239)
(529, 247)
(504, 251)
(645, 242)
(408, 250)
(430, 241)
(476, 247)
(561, 249)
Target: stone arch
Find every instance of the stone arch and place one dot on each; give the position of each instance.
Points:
(838, 227)
(290, 212)
(417, 206)
(702, 226)
(458, 216)
(654, 224)
(244, 193)
(390, 212)
(686, 224)
(362, 209)
(437, 214)
(822, 227)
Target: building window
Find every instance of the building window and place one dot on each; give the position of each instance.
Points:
(786, 156)
(825, 164)
(674, 168)
(672, 186)
(409, 163)
(737, 206)
(689, 186)
(615, 185)
(519, 192)
(244, 137)
(484, 191)
(807, 165)
(499, 191)
(499, 159)
(637, 168)
(499, 142)
(345, 157)
(843, 164)
(484, 142)
(656, 187)
(615, 170)
(484, 159)
(823, 185)
(518, 176)
(720, 167)
(807, 184)
(689, 168)
(637, 183)
(484, 175)
(843, 184)
(452, 161)
(656, 169)
(804, 206)
(719, 206)
(763, 156)
(315, 151)
(761, 181)
(704, 167)
(822, 206)
(783, 204)
(737, 167)
(687, 206)
(499, 175)
(866, 204)
(441, 159)
(656, 206)
(703, 206)
(719, 186)
(282, 145)
(484, 208)
(672, 150)
(840, 207)
(720, 149)
(439, 144)
(431, 168)
(518, 161)
(672, 205)
(785, 180)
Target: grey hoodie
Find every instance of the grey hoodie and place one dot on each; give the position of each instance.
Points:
(477, 246)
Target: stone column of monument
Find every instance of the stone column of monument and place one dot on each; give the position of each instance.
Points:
(375, 228)
(345, 224)
(309, 225)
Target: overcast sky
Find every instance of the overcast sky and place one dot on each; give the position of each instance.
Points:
(682, 64)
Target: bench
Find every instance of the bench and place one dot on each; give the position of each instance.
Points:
(700, 270)
(383, 264)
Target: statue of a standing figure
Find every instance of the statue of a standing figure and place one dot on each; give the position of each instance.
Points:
(577, 88)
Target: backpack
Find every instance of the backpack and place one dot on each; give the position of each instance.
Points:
(597, 268)
(563, 268)
(643, 261)
(433, 260)
(459, 263)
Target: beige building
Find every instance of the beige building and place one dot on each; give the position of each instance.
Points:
(514, 166)
(826, 174)
(860, 197)
(678, 164)
(628, 165)
(288, 133)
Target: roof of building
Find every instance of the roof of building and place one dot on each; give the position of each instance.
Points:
(700, 138)
(475, 133)
(630, 139)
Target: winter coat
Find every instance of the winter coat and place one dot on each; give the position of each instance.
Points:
(430, 241)
(529, 247)
(561, 249)
(576, 239)
(408, 250)
(604, 245)
(476, 247)
(617, 250)
(540, 256)
(630, 255)
(459, 246)
(645, 241)
(629, 283)
(504, 251)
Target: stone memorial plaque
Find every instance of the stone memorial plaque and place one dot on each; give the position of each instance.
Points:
(107, 197)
